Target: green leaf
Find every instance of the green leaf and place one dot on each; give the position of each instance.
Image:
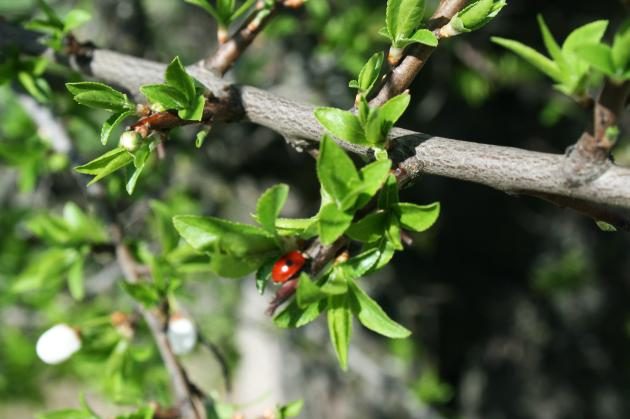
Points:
(263, 274)
(193, 112)
(386, 252)
(241, 10)
(532, 56)
(74, 19)
(373, 177)
(388, 196)
(99, 96)
(475, 13)
(392, 110)
(205, 5)
(167, 96)
(225, 9)
(372, 316)
(106, 164)
(402, 17)
(342, 124)
(333, 222)
(230, 266)
(35, 86)
(424, 36)
(177, 77)
(201, 136)
(44, 270)
(599, 56)
(50, 14)
(140, 157)
(550, 43)
(291, 409)
(336, 282)
(336, 172)
(621, 48)
(370, 72)
(417, 217)
(67, 414)
(359, 265)
(214, 235)
(143, 292)
(293, 316)
(269, 206)
(76, 279)
(340, 327)
(307, 292)
(111, 123)
(370, 228)
(591, 33)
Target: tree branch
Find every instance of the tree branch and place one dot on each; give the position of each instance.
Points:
(508, 169)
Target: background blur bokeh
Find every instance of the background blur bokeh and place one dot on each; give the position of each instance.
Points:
(519, 309)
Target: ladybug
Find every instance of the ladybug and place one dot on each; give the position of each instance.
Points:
(287, 267)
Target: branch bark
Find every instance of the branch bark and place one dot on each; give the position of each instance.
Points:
(508, 169)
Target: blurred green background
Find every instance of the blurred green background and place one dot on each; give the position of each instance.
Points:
(519, 309)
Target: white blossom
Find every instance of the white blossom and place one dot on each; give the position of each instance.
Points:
(182, 334)
(57, 344)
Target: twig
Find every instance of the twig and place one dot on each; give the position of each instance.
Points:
(220, 358)
(229, 52)
(401, 76)
(188, 401)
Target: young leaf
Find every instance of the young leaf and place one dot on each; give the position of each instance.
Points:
(417, 217)
(369, 229)
(388, 196)
(99, 96)
(194, 111)
(532, 56)
(402, 17)
(340, 327)
(342, 124)
(140, 157)
(333, 222)
(111, 123)
(591, 33)
(205, 5)
(50, 14)
(214, 235)
(336, 283)
(370, 72)
(293, 316)
(74, 19)
(177, 77)
(269, 206)
(372, 316)
(424, 36)
(106, 164)
(143, 292)
(621, 48)
(373, 177)
(167, 96)
(263, 274)
(76, 279)
(599, 56)
(550, 42)
(336, 172)
(392, 110)
(360, 265)
(241, 10)
(307, 292)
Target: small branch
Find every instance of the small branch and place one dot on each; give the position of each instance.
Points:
(188, 401)
(589, 159)
(229, 52)
(218, 355)
(403, 74)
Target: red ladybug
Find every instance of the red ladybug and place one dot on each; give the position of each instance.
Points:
(287, 267)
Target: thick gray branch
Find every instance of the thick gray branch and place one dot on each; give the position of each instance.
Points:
(504, 168)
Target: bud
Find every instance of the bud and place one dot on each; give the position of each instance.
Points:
(57, 344)
(472, 17)
(182, 334)
(130, 141)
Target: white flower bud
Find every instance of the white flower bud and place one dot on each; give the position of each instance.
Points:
(182, 334)
(130, 141)
(57, 344)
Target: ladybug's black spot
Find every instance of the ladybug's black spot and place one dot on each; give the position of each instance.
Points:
(289, 262)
